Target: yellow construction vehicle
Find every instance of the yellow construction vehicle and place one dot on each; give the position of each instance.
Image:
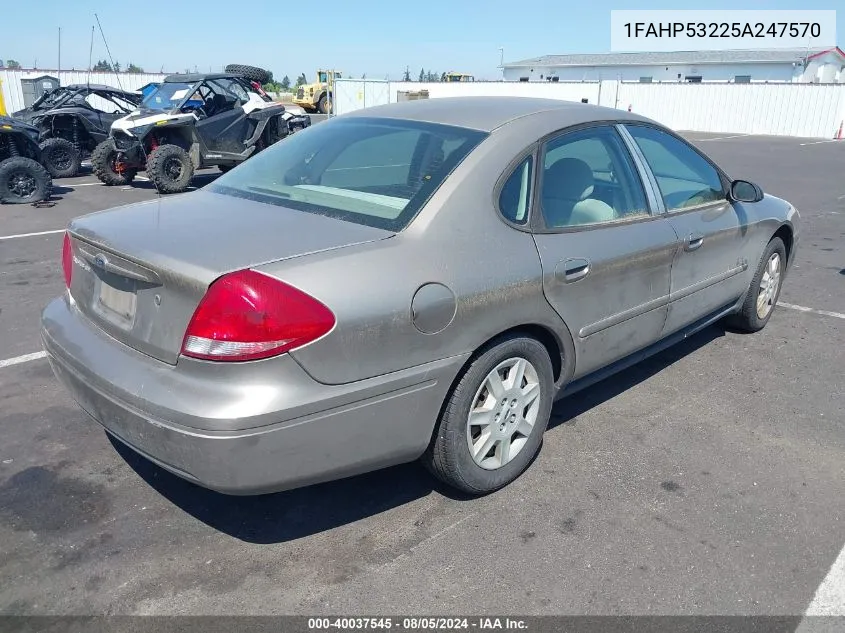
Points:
(453, 76)
(317, 97)
(2, 103)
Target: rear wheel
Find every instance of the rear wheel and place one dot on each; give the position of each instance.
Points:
(24, 180)
(170, 169)
(764, 291)
(60, 157)
(492, 425)
(108, 167)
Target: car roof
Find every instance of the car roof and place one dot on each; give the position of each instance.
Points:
(190, 78)
(101, 87)
(489, 113)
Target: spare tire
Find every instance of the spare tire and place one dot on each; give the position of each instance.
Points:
(250, 72)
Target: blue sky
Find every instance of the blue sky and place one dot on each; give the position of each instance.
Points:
(358, 36)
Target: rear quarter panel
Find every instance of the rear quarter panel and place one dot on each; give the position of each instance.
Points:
(457, 240)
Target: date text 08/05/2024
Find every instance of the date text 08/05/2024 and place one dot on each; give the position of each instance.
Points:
(723, 29)
(416, 624)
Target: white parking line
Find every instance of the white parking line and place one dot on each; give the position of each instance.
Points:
(17, 360)
(721, 138)
(830, 596)
(12, 237)
(831, 140)
(792, 306)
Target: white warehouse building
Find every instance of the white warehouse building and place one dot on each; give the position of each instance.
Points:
(805, 65)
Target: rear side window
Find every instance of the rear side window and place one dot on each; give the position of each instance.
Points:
(377, 172)
(588, 178)
(515, 197)
(685, 177)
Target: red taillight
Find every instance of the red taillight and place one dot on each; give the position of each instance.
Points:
(67, 260)
(247, 315)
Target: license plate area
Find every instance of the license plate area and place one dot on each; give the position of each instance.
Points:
(115, 299)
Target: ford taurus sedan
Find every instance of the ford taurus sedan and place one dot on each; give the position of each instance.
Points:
(418, 280)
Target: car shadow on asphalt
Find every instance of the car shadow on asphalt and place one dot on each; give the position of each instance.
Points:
(569, 408)
(290, 515)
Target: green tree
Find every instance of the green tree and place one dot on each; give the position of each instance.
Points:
(102, 66)
(286, 83)
(132, 68)
(12, 63)
(117, 67)
(407, 75)
(422, 75)
(301, 80)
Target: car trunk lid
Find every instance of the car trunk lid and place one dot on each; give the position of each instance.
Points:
(140, 271)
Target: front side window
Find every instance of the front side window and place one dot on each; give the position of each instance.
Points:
(588, 178)
(515, 197)
(377, 172)
(685, 178)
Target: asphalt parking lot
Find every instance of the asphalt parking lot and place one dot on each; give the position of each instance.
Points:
(708, 480)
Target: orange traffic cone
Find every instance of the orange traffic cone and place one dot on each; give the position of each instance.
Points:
(839, 133)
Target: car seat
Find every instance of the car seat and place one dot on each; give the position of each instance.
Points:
(567, 187)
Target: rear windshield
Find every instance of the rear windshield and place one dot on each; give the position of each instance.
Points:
(377, 172)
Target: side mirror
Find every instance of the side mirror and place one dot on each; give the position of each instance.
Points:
(744, 191)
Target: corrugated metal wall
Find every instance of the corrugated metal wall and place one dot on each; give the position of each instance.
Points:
(804, 110)
(13, 93)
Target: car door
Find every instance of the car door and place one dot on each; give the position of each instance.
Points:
(708, 265)
(226, 128)
(606, 255)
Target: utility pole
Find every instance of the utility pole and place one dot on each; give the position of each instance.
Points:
(59, 73)
(502, 61)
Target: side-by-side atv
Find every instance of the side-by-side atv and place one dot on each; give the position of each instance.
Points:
(73, 120)
(189, 122)
(22, 176)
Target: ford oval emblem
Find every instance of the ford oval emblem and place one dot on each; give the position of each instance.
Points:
(100, 260)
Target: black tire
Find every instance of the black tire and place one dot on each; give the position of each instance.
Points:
(23, 180)
(323, 105)
(448, 456)
(60, 157)
(276, 130)
(250, 72)
(748, 319)
(170, 169)
(104, 163)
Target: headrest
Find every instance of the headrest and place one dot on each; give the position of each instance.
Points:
(568, 178)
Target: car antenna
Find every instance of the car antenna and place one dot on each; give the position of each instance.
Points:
(90, 57)
(111, 59)
(119, 85)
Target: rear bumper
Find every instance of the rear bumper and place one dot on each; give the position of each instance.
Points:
(244, 428)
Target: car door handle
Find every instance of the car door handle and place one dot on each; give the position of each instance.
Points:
(574, 269)
(693, 241)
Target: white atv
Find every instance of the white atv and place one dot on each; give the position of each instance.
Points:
(189, 122)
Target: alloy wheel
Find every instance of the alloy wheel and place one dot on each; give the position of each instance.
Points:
(504, 413)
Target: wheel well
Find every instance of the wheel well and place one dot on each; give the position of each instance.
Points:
(539, 332)
(785, 234)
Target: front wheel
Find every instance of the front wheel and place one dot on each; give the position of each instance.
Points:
(109, 167)
(492, 424)
(60, 157)
(324, 105)
(764, 291)
(24, 180)
(170, 169)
